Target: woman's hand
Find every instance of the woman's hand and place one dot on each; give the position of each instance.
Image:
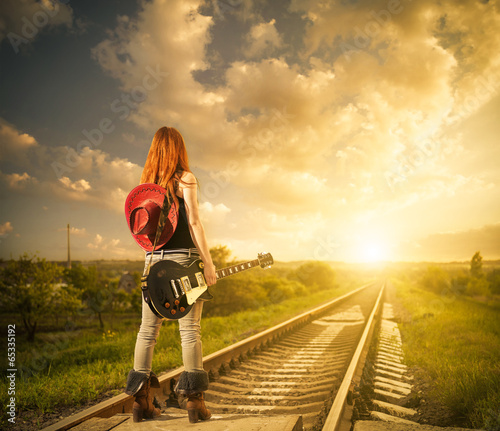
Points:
(210, 277)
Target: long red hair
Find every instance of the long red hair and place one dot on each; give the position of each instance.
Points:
(167, 160)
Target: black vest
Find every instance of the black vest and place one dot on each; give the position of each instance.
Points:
(181, 237)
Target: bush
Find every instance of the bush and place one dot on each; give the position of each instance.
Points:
(235, 294)
(493, 278)
(435, 279)
(459, 283)
(315, 276)
(478, 287)
(279, 289)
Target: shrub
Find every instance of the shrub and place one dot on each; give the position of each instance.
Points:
(435, 279)
(315, 276)
(478, 287)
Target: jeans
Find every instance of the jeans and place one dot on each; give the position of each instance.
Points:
(189, 328)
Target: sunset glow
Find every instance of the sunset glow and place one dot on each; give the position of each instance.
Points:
(306, 123)
(373, 252)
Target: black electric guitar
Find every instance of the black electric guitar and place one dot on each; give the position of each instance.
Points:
(172, 289)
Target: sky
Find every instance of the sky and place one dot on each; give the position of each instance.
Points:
(353, 131)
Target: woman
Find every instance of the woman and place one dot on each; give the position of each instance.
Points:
(167, 165)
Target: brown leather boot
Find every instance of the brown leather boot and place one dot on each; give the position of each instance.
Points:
(197, 410)
(143, 406)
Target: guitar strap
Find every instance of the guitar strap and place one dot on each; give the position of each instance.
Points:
(165, 210)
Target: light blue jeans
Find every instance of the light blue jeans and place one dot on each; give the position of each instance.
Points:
(189, 328)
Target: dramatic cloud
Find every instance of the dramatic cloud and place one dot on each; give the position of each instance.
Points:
(369, 123)
(22, 21)
(358, 129)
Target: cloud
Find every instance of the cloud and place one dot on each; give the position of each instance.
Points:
(19, 182)
(74, 231)
(5, 229)
(22, 21)
(461, 245)
(263, 39)
(107, 248)
(176, 51)
(92, 176)
(77, 186)
(78, 232)
(97, 243)
(98, 179)
(14, 145)
(352, 116)
(319, 127)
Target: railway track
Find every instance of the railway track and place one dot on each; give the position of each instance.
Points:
(306, 366)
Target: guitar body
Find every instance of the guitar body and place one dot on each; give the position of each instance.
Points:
(171, 289)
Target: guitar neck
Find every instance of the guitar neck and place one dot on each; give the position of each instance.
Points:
(235, 269)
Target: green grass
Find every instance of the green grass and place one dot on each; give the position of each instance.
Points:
(77, 366)
(457, 342)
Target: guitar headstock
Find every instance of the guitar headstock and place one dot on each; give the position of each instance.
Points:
(265, 260)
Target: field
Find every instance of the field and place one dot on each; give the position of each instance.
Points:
(453, 340)
(451, 334)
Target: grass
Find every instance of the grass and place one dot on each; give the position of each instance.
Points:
(79, 365)
(457, 342)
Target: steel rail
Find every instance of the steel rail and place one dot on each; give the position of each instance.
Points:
(337, 418)
(123, 402)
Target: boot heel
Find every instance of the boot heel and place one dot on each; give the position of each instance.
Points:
(137, 414)
(193, 415)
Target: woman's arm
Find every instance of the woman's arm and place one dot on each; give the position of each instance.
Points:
(188, 190)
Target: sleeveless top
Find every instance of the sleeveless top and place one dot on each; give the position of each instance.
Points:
(181, 237)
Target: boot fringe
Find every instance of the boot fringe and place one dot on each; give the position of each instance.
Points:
(136, 380)
(192, 382)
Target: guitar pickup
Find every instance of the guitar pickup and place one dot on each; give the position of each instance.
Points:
(174, 288)
(200, 279)
(186, 284)
(193, 294)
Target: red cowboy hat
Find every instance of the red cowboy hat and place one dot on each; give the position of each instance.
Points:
(142, 210)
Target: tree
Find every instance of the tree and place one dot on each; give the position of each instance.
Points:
(32, 287)
(478, 285)
(476, 265)
(220, 256)
(96, 290)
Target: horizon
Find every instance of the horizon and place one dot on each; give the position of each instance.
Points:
(332, 131)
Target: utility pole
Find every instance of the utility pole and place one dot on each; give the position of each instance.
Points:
(69, 253)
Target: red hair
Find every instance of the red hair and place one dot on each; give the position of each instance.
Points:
(167, 160)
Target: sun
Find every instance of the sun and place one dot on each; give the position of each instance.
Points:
(373, 251)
